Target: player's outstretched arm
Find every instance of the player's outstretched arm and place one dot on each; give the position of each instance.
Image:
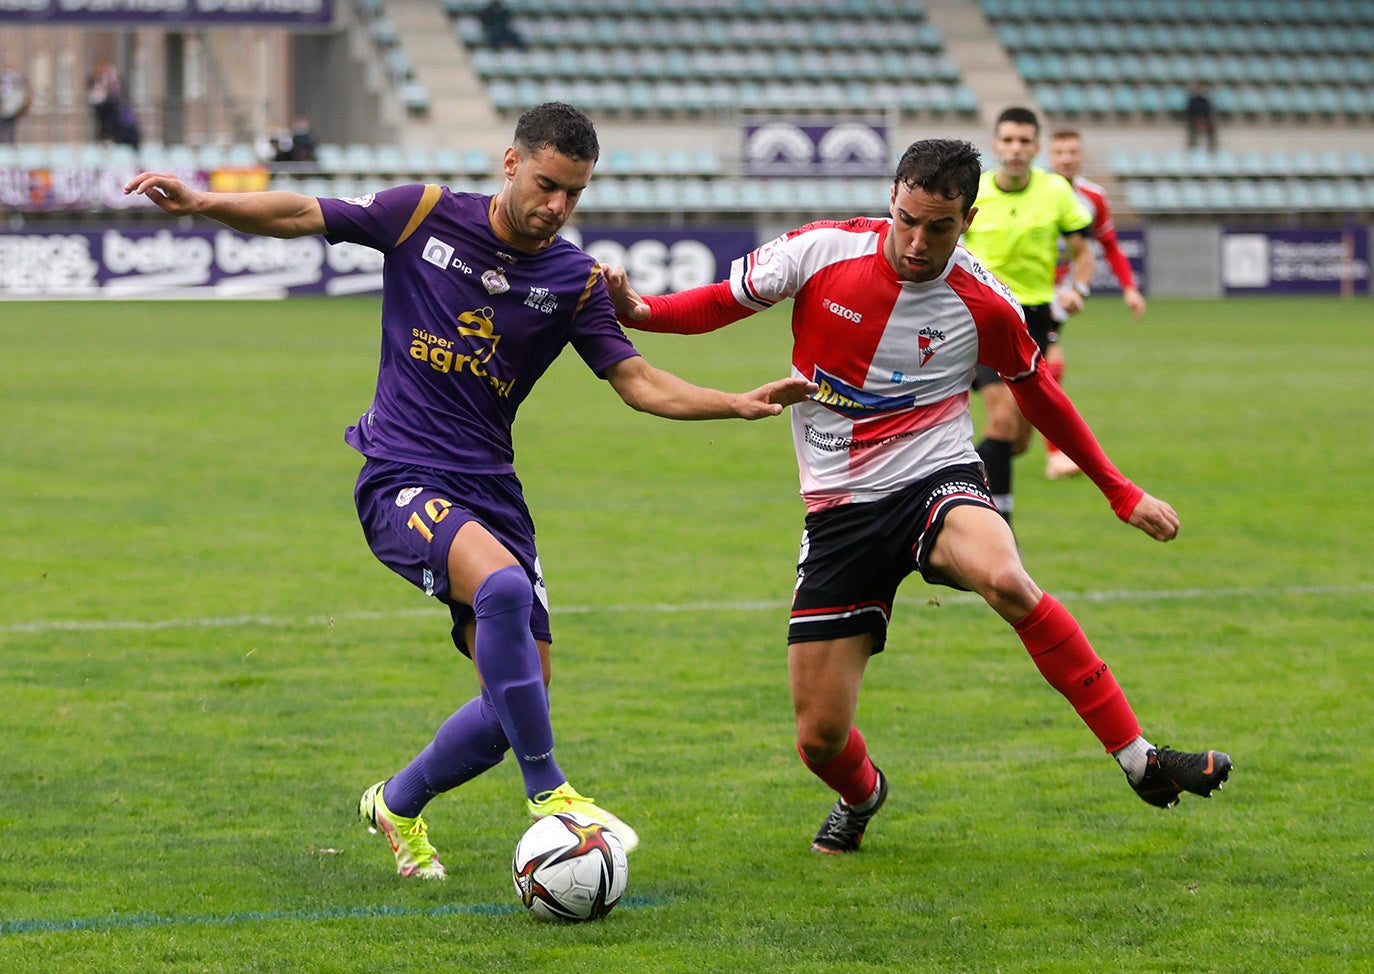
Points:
(694, 311)
(275, 213)
(652, 390)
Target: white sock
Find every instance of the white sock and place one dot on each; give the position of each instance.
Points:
(1133, 758)
(867, 803)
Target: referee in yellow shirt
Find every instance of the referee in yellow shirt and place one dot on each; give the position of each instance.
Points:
(1022, 213)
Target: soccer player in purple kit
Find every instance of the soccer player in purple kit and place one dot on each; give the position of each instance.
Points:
(479, 296)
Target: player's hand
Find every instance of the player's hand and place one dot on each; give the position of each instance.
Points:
(164, 189)
(1070, 301)
(629, 306)
(1155, 517)
(770, 399)
(1135, 301)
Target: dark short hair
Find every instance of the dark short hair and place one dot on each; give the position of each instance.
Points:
(1019, 115)
(942, 167)
(562, 126)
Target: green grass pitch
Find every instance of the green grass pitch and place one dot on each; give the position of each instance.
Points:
(201, 667)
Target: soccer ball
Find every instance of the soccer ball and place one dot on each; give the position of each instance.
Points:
(568, 867)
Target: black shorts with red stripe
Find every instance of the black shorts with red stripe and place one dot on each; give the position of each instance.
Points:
(854, 556)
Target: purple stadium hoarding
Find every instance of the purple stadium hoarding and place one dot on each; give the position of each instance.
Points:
(1133, 246)
(1295, 261)
(661, 262)
(816, 147)
(124, 263)
(171, 13)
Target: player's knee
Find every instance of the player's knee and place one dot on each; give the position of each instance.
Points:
(1008, 589)
(504, 590)
(820, 740)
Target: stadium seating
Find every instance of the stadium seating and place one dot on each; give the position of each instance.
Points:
(1263, 59)
(709, 57)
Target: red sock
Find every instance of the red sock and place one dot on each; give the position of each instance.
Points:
(850, 772)
(1067, 661)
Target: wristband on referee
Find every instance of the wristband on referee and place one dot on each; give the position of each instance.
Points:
(1083, 289)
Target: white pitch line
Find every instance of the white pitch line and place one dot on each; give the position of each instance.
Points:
(660, 608)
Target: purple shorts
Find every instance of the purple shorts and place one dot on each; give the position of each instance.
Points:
(410, 515)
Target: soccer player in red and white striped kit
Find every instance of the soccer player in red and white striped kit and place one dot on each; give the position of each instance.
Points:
(1066, 159)
(889, 318)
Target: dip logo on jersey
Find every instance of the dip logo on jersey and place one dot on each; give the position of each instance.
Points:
(477, 328)
(925, 343)
(541, 299)
(440, 254)
(847, 400)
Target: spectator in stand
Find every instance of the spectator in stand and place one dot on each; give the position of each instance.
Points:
(1198, 113)
(497, 27)
(104, 94)
(296, 144)
(14, 102)
(1066, 158)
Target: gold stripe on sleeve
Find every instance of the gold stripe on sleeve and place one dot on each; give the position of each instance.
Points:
(587, 291)
(428, 199)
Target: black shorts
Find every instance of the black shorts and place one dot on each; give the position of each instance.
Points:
(854, 556)
(1043, 328)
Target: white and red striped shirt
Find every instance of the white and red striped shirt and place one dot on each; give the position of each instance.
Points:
(894, 360)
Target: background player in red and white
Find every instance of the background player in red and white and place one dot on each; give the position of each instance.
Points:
(889, 318)
(1066, 158)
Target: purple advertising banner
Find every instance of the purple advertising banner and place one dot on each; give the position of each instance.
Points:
(661, 262)
(1295, 261)
(1133, 246)
(816, 147)
(126, 263)
(129, 264)
(116, 13)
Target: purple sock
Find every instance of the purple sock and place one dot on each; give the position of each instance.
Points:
(468, 743)
(508, 660)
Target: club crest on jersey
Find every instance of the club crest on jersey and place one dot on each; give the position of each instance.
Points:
(407, 495)
(925, 343)
(847, 400)
(495, 281)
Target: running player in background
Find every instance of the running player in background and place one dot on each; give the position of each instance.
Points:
(889, 318)
(479, 297)
(1066, 158)
(1023, 211)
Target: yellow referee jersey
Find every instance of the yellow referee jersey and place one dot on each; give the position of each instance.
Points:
(1016, 235)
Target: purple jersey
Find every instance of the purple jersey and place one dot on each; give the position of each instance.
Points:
(469, 324)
